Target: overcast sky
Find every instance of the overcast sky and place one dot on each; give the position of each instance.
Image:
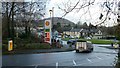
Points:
(75, 16)
(91, 16)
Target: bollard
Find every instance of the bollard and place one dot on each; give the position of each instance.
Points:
(112, 44)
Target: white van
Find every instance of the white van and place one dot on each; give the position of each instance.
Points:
(83, 46)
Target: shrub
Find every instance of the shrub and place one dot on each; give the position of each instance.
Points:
(37, 46)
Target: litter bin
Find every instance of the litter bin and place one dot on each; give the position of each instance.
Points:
(10, 44)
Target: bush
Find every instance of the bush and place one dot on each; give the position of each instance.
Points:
(4, 47)
(4, 41)
(38, 46)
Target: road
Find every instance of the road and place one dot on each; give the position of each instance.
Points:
(99, 57)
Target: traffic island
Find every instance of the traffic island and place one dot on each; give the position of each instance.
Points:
(35, 48)
(38, 51)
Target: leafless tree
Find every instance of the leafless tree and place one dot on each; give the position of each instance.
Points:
(109, 7)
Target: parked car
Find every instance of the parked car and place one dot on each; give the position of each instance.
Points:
(58, 38)
(88, 38)
(71, 37)
(72, 41)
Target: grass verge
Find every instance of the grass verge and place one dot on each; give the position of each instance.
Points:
(96, 41)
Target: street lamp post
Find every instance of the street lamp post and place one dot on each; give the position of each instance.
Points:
(51, 17)
(51, 24)
(118, 20)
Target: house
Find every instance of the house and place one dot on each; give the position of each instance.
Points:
(93, 33)
(97, 35)
(84, 33)
(73, 32)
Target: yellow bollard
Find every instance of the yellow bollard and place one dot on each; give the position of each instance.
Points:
(116, 45)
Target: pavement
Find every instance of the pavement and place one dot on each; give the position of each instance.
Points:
(65, 48)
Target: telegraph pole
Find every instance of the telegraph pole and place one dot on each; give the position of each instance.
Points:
(119, 23)
(118, 20)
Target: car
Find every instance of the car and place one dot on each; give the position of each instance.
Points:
(71, 37)
(72, 41)
(88, 38)
(58, 38)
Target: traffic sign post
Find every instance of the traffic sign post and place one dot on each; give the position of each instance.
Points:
(10, 45)
(48, 34)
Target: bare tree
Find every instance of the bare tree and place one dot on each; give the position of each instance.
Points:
(109, 8)
(21, 14)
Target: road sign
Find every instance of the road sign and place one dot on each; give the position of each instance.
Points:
(48, 31)
(10, 45)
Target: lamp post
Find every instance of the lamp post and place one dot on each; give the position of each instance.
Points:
(51, 25)
(51, 17)
(50, 13)
(119, 26)
(118, 20)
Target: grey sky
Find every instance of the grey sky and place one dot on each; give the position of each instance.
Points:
(75, 16)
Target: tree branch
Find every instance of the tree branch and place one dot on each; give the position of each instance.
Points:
(104, 19)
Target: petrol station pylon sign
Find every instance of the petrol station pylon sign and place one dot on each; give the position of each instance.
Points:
(47, 30)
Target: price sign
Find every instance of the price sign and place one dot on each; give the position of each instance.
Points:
(47, 30)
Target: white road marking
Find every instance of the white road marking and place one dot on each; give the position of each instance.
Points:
(56, 64)
(74, 51)
(99, 58)
(108, 54)
(36, 66)
(89, 60)
(74, 62)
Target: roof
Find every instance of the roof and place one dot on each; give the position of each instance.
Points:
(83, 30)
(75, 30)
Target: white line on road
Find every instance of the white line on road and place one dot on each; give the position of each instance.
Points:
(74, 62)
(108, 54)
(89, 60)
(99, 58)
(56, 64)
(36, 66)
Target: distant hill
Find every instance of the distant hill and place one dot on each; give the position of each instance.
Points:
(55, 21)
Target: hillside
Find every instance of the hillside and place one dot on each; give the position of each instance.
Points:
(55, 21)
